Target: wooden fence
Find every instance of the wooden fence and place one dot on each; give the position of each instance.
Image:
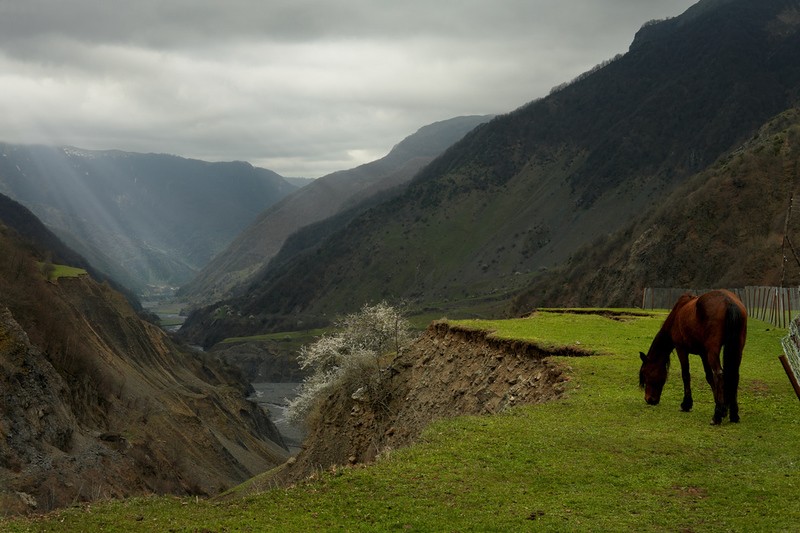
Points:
(776, 305)
(791, 355)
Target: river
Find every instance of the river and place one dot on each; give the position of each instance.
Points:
(274, 396)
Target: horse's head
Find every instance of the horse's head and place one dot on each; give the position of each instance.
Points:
(652, 376)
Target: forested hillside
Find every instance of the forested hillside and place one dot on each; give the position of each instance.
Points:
(725, 227)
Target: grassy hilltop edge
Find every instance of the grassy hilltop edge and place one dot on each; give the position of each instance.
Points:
(595, 459)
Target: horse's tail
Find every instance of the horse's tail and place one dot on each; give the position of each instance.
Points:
(735, 335)
(735, 332)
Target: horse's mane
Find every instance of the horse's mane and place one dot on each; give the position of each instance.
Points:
(663, 344)
(663, 341)
(660, 349)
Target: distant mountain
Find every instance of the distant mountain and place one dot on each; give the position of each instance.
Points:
(324, 197)
(97, 403)
(144, 219)
(530, 189)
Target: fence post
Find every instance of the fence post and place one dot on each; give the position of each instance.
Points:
(790, 374)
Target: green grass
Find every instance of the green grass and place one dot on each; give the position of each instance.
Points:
(55, 272)
(166, 322)
(599, 459)
(597, 330)
(294, 337)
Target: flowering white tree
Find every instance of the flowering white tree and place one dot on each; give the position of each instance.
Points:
(350, 358)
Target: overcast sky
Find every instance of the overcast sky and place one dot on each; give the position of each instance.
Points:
(302, 87)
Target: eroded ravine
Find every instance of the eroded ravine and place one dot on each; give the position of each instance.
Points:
(449, 371)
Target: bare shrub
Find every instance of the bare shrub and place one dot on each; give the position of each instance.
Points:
(349, 360)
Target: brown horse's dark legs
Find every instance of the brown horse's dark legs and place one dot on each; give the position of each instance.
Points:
(707, 369)
(732, 392)
(720, 412)
(718, 386)
(688, 402)
(716, 382)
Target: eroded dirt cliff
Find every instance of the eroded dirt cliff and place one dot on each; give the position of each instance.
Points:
(448, 371)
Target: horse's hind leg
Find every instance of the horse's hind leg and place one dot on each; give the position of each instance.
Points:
(732, 386)
(720, 410)
(716, 378)
(688, 402)
(707, 369)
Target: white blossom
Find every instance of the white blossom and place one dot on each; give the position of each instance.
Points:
(349, 359)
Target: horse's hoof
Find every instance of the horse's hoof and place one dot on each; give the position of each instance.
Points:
(686, 408)
(716, 422)
(735, 418)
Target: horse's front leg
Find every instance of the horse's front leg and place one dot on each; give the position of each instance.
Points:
(688, 402)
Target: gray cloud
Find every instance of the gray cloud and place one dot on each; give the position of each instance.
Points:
(301, 87)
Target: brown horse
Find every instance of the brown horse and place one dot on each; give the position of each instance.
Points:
(700, 326)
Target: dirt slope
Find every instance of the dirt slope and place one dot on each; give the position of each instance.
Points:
(449, 371)
(96, 403)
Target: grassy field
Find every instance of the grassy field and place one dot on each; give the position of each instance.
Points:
(54, 272)
(294, 337)
(599, 459)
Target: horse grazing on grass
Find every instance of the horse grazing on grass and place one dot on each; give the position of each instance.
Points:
(704, 326)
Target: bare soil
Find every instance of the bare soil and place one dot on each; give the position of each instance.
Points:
(449, 371)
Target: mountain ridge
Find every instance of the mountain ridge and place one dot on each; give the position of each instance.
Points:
(528, 190)
(252, 250)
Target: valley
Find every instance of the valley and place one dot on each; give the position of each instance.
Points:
(153, 309)
(169, 312)
(272, 396)
(140, 219)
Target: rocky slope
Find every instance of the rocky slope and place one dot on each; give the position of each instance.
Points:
(95, 403)
(33, 232)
